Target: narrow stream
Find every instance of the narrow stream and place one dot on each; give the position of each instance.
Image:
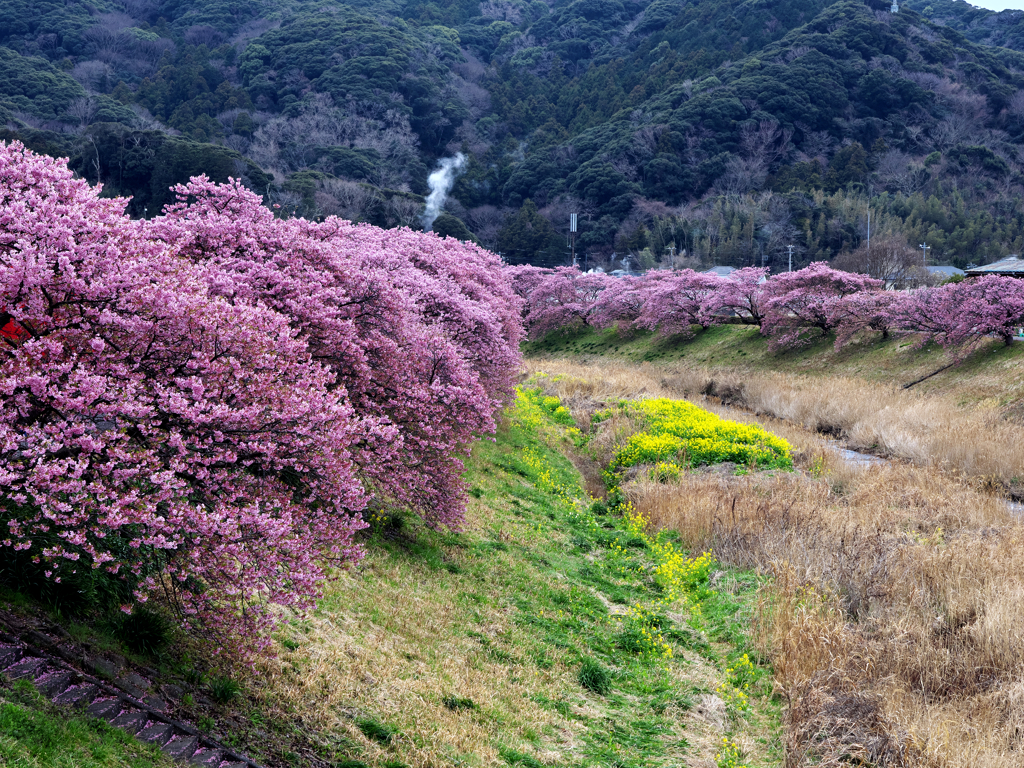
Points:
(865, 460)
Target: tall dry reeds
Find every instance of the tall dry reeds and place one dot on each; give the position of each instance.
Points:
(895, 612)
(925, 429)
(894, 615)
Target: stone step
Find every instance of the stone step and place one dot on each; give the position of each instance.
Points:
(54, 682)
(30, 668)
(9, 654)
(131, 722)
(78, 695)
(157, 733)
(105, 709)
(182, 748)
(209, 758)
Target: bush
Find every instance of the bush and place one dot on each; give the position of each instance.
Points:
(594, 677)
(144, 631)
(224, 690)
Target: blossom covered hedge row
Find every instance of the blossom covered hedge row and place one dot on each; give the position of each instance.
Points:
(206, 403)
(789, 308)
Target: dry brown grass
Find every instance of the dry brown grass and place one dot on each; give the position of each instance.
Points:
(926, 429)
(394, 652)
(894, 617)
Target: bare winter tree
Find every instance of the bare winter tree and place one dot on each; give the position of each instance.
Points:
(203, 34)
(485, 221)
(83, 110)
(502, 10)
(895, 173)
(347, 199)
(290, 144)
(403, 211)
(91, 73)
(890, 259)
(965, 117)
(817, 145)
(762, 144)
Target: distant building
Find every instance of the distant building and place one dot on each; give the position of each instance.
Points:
(720, 271)
(1011, 266)
(944, 273)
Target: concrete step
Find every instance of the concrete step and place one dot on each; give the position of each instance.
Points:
(105, 709)
(131, 722)
(181, 749)
(210, 758)
(158, 733)
(54, 682)
(9, 654)
(78, 695)
(30, 668)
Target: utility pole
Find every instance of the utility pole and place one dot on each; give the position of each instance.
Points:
(790, 257)
(869, 231)
(924, 249)
(572, 237)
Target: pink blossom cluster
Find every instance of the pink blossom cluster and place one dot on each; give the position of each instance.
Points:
(790, 308)
(207, 403)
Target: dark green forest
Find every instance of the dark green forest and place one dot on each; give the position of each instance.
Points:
(696, 131)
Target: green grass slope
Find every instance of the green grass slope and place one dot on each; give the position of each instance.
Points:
(37, 734)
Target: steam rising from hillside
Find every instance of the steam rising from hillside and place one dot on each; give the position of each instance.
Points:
(440, 182)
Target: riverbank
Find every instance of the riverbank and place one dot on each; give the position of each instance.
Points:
(892, 609)
(991, 377)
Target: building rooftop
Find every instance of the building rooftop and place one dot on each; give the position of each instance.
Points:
(1011, 265)
(946, 271)
(720, 271)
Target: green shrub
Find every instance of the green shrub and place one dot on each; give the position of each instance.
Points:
(382, 734)
(144, 631)
(594, 677)
(224, 690)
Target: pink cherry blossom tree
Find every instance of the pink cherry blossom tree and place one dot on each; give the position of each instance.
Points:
(799, 303)
(422, 333)
(563, 299)
(620, 304)
(673, 302)
(186, 442)
(204, 403)
(743, 293)
(871, 310)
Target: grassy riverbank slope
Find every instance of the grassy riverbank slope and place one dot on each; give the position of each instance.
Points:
(992, 375)
(536, 636)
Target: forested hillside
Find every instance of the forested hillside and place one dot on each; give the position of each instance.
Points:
(719, 131)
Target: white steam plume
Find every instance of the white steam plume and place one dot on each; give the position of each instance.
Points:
(440, 182)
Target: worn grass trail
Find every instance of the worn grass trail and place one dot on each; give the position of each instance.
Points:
(537, 636)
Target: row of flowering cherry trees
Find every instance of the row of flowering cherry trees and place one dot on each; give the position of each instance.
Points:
(790, 308)
(209, 403)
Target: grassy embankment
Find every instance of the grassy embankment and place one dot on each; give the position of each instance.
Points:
(537, 636)
(37, 734)
(892, 612)
(992, 375)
